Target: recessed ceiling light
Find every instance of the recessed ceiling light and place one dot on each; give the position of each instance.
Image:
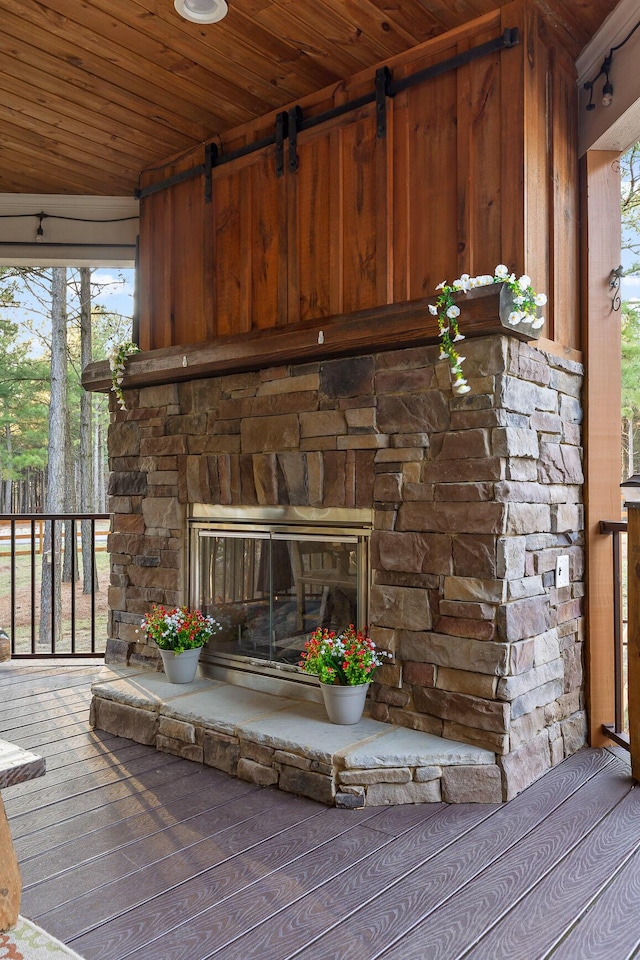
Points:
(201, 11)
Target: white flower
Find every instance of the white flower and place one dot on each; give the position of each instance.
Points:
(540, 300)
(453, 312)
(501, 272)
(484, 280)
(461, 386)
(514, 318)
(537, 323)
(442, 285)
(524, 282)
(458, 337)
(457, 285)
(433, 310)
(443, 355)
(518, 301)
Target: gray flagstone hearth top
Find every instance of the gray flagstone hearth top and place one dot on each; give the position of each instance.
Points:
(18, 765)
(282, 723)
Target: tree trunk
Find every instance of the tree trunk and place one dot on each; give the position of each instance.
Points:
(89, 576)
(98, 471)
(7, 483)
(51, 593)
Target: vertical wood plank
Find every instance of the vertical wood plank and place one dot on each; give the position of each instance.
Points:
(232, 252)
(433, 195)
(314, 235)
(384, 176)
(187, 262)
(633, 649)
(565, 232)
(336, 221)
(264, 240)
(162, 255)
(360, 214)
(466, 207)
(537, 149)
(293, 251)
(512, 208)
(399, 225)
(601, 343)
(146, 274)
(484, 167)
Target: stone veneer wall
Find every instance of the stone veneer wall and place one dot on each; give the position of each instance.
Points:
(474, 498)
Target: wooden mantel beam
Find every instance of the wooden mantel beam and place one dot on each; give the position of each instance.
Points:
(390, 327)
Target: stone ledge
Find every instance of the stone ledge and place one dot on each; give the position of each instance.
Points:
(289, 743)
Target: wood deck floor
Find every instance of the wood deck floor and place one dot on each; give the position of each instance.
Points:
(126, 852)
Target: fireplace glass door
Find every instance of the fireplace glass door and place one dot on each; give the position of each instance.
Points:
(271, 587)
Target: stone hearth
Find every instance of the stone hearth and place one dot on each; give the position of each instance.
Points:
(288, 743)
(473, 500)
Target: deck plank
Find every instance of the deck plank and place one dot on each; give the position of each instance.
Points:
(547, 871)
(131, 853)
(379, 898)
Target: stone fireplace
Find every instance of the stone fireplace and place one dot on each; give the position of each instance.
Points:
(463, 504)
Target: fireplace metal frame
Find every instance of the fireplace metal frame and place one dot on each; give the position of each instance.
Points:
(277, 522)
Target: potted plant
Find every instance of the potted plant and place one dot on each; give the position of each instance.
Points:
(344, 664)
(179, 634)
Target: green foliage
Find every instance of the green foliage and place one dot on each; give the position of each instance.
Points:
(23, 402)
(630, 316)
(25, 309)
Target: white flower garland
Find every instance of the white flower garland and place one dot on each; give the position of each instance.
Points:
(525, 299)
(117, 361)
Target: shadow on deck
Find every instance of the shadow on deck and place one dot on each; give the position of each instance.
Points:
(126, 852)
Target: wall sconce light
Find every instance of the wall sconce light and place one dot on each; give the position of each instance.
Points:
(202, 11)
(614, 283)
(607, 89)
(40, 231)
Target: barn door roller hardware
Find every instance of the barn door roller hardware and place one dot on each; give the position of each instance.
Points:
(288, 126)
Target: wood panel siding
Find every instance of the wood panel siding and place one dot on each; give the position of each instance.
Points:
(477, 167)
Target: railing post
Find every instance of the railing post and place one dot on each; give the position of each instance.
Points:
(633, 648)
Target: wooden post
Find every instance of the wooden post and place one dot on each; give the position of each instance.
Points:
(16, 766)
(601, 347)
(633, 638)
(10, 879)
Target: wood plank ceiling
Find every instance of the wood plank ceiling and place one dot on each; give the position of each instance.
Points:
(93, 91)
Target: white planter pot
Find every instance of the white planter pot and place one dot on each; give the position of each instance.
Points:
(344, 704)
(181, 667)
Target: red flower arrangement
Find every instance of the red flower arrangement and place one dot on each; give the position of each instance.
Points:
(348, 659)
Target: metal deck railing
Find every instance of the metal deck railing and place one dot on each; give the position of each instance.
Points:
(68, 618)
(618, 730)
